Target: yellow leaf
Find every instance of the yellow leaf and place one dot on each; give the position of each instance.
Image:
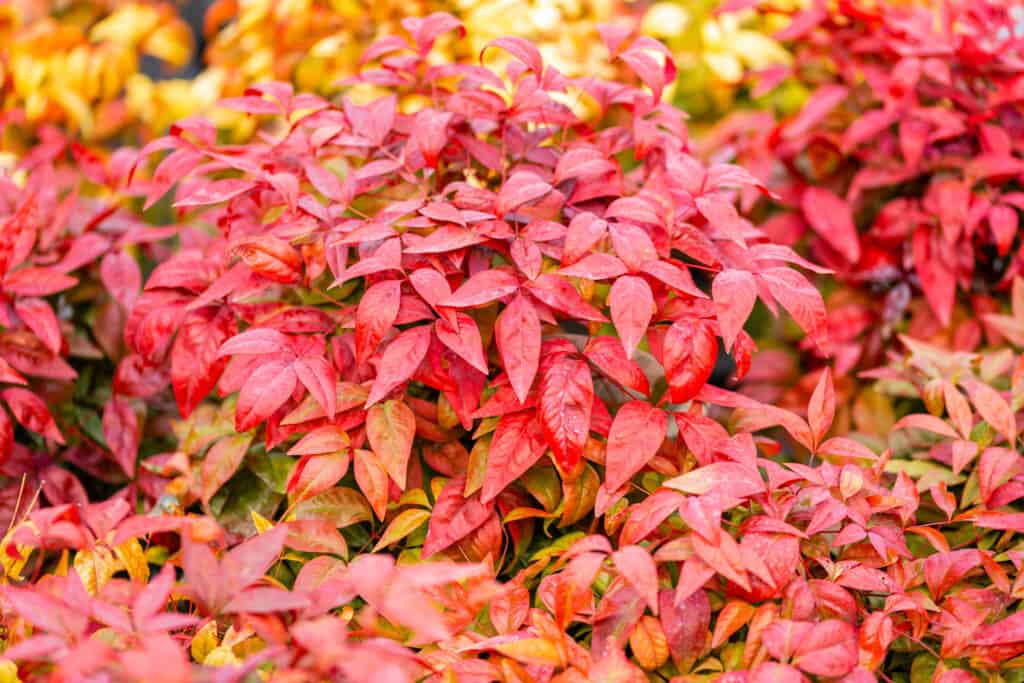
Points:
(95, 567)
(648, 643)
(133, 557)
(8, 672)
(540, 651)
(204, 642)
(401, 526)
(221, 656)
(262, 523)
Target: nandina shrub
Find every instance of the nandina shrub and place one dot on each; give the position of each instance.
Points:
(902, 170)
(467, 291)
(502, 319)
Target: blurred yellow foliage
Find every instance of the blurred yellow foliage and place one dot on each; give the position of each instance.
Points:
(714, 51)
(69, 63)
(78, 63)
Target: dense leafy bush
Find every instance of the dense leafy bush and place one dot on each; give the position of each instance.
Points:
(438, 393)
(901, 172)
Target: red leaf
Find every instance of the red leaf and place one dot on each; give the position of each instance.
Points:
(522, 187)
(399, 362)
(212, 192)
(728, 478)
(121, 276)
(993, 408)
(632, 307)
(38, 282)
(40, 318)
(636, 435)
(832, 219)
(801, 300)
(830, 649)
(636, 566)
(266, 390)
(375, 315)
(464, 339)
(518, 334)
(521, 49)
(196, 364)
(607, 354)
(482, 288)
(320, 380)
(517, 444)
(734, 293)
(689, 354)
(257, 341)
(822, 408)
(566, 400)
(121, 431)
(454, 517)
(31, 412)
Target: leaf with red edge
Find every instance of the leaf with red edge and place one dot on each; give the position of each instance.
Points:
(39, 317)
(637, 433)
(196, 365)
(632, 307)
(326, 439)
(266, 390)
(400, 361)
(636, 566)
(454, 517)
(832, 219)
(518, 334)
(566, 401)
(375, 315)
(517, 444)
(390, 428)
(314, 474)
(221, 462)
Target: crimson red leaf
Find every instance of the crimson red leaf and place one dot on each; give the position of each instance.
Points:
(400, 361)
(832, 219)
(636, 435)
(632, 307)
(517, 444)
(375, 315)
(266, 390)
(566, 400)
(518, 334)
